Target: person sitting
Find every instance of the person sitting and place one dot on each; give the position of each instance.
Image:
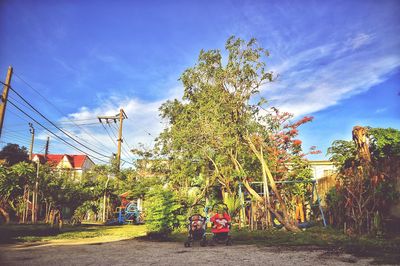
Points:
(221, 223)
(196, 222)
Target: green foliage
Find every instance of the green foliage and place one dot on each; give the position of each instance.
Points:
(89, 206)
(233, 204)
(384, 142)
(161, 209)
(370, 185)
(335, 202)
(13, 154)
(12, 182)
(209, 123)
(341, 152)
(205, 142)
(300, 171)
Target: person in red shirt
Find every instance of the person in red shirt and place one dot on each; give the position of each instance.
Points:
(221, 223)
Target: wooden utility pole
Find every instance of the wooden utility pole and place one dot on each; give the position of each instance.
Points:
(120, 117)
(46, 149)
(35, 196)
(32, 131)
(105, 199)
(4, 96)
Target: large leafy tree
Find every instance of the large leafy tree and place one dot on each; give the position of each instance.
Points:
(221, 134)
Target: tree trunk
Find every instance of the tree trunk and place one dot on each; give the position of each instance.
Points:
(5, 214)
(266, 195)
(287, 222)
(289, 226)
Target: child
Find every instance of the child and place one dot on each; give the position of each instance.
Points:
(196, 222)
(220, 222)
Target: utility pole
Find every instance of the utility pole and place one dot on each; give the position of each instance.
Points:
(35, 195)
(32, 131)
(4, 97)
(46, 149)
(105, 199)
(120, 117)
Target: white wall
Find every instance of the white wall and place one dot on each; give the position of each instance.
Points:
(322, 168)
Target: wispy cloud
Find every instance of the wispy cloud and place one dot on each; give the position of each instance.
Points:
(360, 40)
(142, 125)
(319, 77)
(320, 59)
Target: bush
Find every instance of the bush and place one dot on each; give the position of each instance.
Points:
(162, 208)
(88, 207)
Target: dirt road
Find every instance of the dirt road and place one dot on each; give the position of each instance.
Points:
(139, 252)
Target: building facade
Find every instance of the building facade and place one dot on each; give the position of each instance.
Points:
(70, 164)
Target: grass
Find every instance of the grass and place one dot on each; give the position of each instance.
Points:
(43, 232)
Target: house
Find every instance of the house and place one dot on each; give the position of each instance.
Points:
(72, 164)
(322, 169)
(324, 173)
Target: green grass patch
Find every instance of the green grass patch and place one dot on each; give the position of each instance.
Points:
(43, 232)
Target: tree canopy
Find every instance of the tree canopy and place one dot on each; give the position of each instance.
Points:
(13, 153)
(222, 132)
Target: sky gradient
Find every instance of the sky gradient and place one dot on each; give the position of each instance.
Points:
(336, 60)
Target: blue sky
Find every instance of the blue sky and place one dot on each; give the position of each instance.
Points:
(337, 61)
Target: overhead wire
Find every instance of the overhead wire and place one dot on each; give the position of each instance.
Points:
(108, 133)
(63, 123)
(54, 124)
(68, 135)
(126, 153)
(76, 136)
(55, 107)
(18, 116)
(44, 127)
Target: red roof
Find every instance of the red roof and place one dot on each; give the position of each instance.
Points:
(76, 161)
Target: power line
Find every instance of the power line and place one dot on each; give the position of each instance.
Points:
(76, 136)
(52, 123)
(17, 101)
(73, 146)
(75, 120)
(127, 154)
(18, 116)
(56, 125)
(55, 107)
(108, 133)
(16, 140)
(63, 123)
(11, 131)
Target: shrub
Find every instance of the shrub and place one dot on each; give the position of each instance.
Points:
(162, 208)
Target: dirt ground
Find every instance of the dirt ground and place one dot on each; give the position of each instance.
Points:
(140, 252)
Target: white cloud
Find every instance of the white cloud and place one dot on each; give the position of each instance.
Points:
(381, 110)
(142, 125)
(360, 40)
(317, 78)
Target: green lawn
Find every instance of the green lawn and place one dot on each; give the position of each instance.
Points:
(43, 232)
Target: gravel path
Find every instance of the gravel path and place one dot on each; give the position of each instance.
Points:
(139, 252)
